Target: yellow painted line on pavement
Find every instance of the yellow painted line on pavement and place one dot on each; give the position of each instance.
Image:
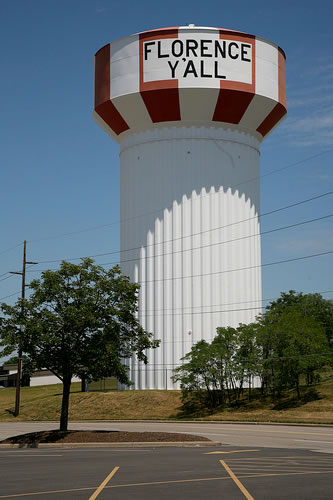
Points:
(224, 452)
(262, 470)
(50, 492)
(129, 485)
(103, 484)
(299, 457)
(237, 481)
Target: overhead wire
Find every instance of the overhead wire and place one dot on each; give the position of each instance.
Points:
(11, 295)
(149, 366)
(121, 221)
(115, 252)
(11, 248)
(208, 245)
(295, 259)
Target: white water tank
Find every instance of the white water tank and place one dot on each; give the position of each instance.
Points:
(189, 107)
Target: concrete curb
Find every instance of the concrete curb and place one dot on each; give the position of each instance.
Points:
(155, 444)
(231, 422)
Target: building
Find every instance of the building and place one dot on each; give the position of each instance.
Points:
(41, 377)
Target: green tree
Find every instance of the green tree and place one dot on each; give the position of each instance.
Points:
(293, 345)
(311, 305)
(223, 351)
(194, 374)
(79, 321)
(209, 373)
(248, 355)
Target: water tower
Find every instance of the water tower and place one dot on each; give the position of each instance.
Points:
(189, 107)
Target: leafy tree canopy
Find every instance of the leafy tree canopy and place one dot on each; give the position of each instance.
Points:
(79, 321)
(311, 305)
(292, 345)
(285, 346)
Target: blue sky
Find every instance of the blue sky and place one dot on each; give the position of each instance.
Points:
(60, 171)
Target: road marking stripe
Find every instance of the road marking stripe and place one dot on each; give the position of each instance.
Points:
(27, 456)
(292, 469)
(281, 432)
(302, 457)
(234, 478)
(248, 476)
(103, 484)
(223, 452)
(314, 441)
(50, 492)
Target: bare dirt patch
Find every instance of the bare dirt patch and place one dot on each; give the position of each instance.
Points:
(56, 436)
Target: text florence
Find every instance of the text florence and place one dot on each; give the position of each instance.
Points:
(195, 56)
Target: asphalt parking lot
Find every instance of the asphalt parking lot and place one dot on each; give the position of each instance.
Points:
(162, 473)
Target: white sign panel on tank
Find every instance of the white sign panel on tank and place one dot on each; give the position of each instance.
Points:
(195, 59)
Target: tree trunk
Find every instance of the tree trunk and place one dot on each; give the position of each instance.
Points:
(65, 403)
(84, 385)
(297, 387)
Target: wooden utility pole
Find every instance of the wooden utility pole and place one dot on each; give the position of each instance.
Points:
(19, 360)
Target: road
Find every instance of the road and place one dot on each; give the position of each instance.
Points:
(229, 473)
(255, 462)
(313, 438)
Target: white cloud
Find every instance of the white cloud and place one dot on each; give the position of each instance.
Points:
(309, 101)
(314, 128)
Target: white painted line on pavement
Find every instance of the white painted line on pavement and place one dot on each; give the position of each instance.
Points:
(313, 441)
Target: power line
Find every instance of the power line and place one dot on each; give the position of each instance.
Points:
(11, 295)
(163, 313)
(4, 274)
(297, 163)
(115, 252)
(225, 304)
(4, 279)
(238, 269)
(204, 312)
(155, 313)
(151, 366)
(295, 259)
(263, 360)
(121, 221)
(11, 248)
(209, 245)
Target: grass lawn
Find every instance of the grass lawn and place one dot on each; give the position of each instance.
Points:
(43, 403)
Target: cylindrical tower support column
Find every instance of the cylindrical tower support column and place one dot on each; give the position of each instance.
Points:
(198, 259)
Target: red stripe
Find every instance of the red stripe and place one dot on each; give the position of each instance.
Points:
(282, 78)
(110, 114)
(160, 33)
(224, 31)
(234, 97)
(160, 97)
(103, 106)
(162, 104)
(102, 75)
(272, 119)
(231, 105)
